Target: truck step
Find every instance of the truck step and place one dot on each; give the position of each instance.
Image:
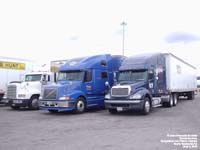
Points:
(158, 105)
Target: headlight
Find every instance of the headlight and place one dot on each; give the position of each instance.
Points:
(107, 96)
(137, 95)
(64, 98)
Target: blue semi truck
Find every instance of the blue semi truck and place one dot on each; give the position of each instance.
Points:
(81, 84)
(151, 80)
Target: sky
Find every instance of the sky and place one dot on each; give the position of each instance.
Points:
(45, 30)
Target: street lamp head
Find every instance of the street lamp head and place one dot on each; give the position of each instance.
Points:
(123, 23)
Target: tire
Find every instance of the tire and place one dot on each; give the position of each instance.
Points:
(15, 107)
(112, 111)
(171, 101)
(80, 105)
(175, 99)
(34, 103)
(190, 95)
(53, 111)
(146, 107)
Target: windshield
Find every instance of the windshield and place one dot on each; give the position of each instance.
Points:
(131, 76)
(33, 77)
(70, 76)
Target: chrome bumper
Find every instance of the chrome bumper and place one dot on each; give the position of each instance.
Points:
(54, 103)
(123, 101)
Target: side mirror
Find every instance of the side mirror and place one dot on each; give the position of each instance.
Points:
(107, 84)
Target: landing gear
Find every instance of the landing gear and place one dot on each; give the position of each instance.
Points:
(190, 95)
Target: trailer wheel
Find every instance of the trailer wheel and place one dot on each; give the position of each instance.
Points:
(33, 104)
(53, 111)
(190, 95)
(112, 111)
(146, 107)
(175, 99)
(171, 101)
(15, 107)
(80, 105)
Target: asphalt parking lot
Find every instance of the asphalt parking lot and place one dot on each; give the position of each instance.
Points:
(99, 130)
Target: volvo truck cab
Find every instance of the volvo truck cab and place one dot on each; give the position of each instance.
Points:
(81, 84)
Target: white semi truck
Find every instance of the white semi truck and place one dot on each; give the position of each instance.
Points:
(12, 69)
(27, 93)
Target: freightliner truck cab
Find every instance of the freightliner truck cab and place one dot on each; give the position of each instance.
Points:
(81, 84)
(151, 80)
(27, 93)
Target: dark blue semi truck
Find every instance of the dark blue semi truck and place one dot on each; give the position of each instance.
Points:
(81, 84)
(151, 80)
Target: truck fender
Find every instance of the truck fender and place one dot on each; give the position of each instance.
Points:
(145, 93)
(33, 93)
(76, 93)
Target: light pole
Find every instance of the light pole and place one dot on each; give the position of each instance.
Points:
(123, 34)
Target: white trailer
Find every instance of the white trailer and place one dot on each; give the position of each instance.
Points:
(180, 76)
(12, 69)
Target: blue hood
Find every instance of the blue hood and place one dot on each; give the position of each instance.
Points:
(64, 88)
(69, 85)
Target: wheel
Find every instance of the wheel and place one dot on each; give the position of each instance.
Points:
(190, 95)
(112, 111)
(175, 100)
(33, 103)
(53, 111)
(80, 105)
(15, 107)
(146, 107)
(171, 101)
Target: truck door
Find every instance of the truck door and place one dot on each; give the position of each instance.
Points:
(101, 76)
(88, 86)
(156, 80)
(151, 82)
(98, 88)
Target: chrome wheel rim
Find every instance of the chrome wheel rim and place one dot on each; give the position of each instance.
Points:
(80, 106)
(171, 101)
(147, 106)
(175, 100)
(35, 103)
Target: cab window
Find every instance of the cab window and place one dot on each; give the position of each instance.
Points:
(104, 75)
(88, 76)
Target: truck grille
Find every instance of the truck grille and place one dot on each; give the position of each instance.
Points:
(118, 92)
(50, 94)
(11, 91)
